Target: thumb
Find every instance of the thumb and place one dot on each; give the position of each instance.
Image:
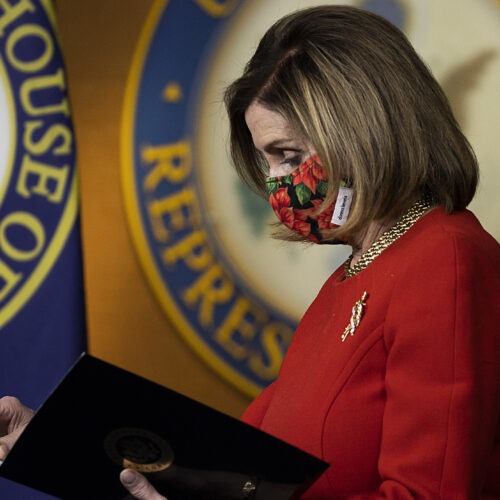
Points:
(138, 486)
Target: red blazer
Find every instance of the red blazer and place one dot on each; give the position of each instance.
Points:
(408, 406)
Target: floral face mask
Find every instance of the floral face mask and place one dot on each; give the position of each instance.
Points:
(295, 199)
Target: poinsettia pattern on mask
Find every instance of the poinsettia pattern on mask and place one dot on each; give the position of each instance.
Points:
(296, 199)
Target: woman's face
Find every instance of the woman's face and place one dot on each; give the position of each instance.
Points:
(272, 135)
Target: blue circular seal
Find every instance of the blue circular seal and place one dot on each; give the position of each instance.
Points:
(38, 197)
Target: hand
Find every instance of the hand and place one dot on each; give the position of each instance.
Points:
(14, 417)
(138, 486)
(180, 482)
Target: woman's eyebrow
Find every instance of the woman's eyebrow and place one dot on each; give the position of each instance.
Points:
(281, 144)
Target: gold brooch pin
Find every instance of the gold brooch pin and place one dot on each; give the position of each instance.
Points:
(356, 315)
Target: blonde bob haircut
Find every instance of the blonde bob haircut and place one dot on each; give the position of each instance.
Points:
(350, 84)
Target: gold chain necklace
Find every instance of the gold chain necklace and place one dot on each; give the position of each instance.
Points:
(388, 237)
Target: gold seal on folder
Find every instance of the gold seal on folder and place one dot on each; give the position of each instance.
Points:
(138, 449)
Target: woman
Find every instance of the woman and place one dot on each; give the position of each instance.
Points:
(393, 375)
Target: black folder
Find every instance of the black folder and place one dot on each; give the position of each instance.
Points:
(101, 418)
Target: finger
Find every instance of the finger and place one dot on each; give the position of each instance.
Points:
(13, 414)
(138, 486)
(14, 417)
(8, 407)
(7, 442)
(4, 450)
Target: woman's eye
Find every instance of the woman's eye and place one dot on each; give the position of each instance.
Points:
(293, 161)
